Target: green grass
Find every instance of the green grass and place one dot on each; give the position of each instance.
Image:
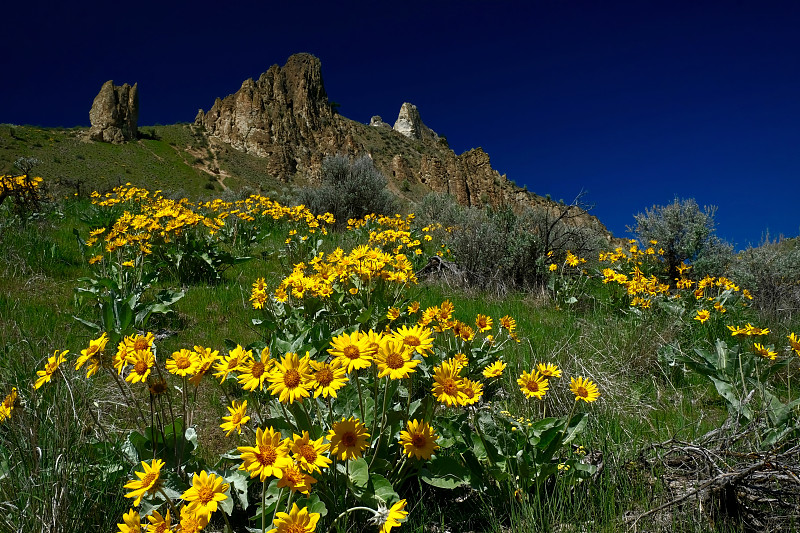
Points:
(643, 402)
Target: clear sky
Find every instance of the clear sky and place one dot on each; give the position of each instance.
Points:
(635, 102)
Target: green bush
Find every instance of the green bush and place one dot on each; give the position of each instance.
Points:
(349, 189)
(771, 272)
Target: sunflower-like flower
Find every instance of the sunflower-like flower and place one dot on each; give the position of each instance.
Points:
(307, 453)
(254, 372)
(387, 518)
(533, 384)
(295, 479)
(158, 523)
(191, 522)
(549, 370)
(794, 342)
(472, 390)
(50, 368)
(417, 338)
(295, 521)
(702, 315)
(206, 492)
(584, 389)
(8, 405)
(237, 418)
(327, 378)
(205, 358)
(139, 342)
(447, 384)
(764, 351)
(268, 457)
(348, 439)
(141, 362)
(494, 370)
(236, 357)
(148, 482)
(394, 359)
(291, 378)
(352, 351)
(131, 522)
(483, 323)
(182, 363)
(418, 439)
(91, 355)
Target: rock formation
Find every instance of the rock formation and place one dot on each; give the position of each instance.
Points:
(410, 124)
(115, 113)
(285, 117)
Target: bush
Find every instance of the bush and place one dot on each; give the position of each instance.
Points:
(771, 272)
(684, 232)
(349, 189)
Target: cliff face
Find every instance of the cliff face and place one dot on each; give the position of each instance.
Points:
(115, 113)
(286, 118)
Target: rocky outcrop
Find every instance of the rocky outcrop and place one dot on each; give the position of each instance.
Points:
(378, 122)
(115, 113)
(283, 116)
(409, 124)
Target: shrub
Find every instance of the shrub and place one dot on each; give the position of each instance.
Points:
(771, 271)
(684, 232)
(349, 189)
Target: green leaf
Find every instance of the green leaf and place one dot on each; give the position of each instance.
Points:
(359, 473)
(444, 473)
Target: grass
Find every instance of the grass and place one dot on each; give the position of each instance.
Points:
(77, 480)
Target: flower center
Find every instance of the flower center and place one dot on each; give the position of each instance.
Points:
(449, 386)
(267, 456)
(236, 418)
(324, 377)
(257, 370)
(205, 495)
(292, 378)
(91, 350)
(140, 367)
(470, 392)
(418, 440)
(308, 453)
(141, 344)
(395, 361)
(351, 352)
(411, 340)
(183, 362)
(295, 528)
(149, 479)
(582, 392)
(533, 386)
(349, 439)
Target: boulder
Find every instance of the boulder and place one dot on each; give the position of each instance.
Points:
(115, 113)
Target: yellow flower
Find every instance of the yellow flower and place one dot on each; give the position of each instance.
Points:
(702, 315)
(50, 368)
(473, 390)
(418, 439)
(254, 372)
(352, 351)
(494, 370)
(139, 342)
(205, 493)
(584, 389)
(549, 370)
(158, 523)
(447, 384)
(191, 522)
(394, 359)
(132, 522)
(295, 479)
(794, 342)
(327, 378)
(553, 267)
(483, 323)
(291, 379)
(508, 323)
(719, 307)
(237, 418)
(147, 483)
(763, 351)
(460, 360)
(393, 314)
(307, 453)
(141, 362)
(206, 358)
(389, 518)
(91, 355)
(413, 308)
(417, 338)
(182, 363)
(295, 521)
(268, 457)
(238, 356)
(8, 405)
(348, 439)
(533, 384)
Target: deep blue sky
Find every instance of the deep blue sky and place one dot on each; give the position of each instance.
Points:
(635, 102)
